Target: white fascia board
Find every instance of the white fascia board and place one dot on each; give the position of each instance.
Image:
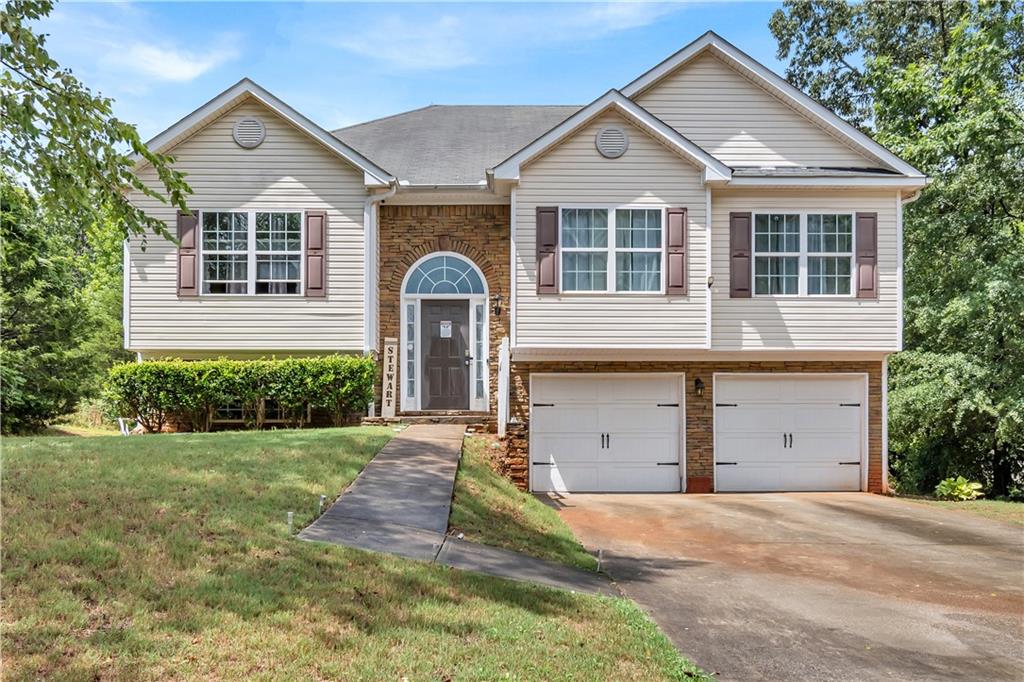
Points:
(747, 64)
(887, 181)
(612, 353)
(247, 88)
(714, 170)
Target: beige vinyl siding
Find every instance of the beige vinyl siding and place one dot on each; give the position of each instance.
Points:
(826, 322)
(575, 173)
(740, 123)
(288, 171)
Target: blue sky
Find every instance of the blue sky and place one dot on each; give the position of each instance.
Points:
(344, 63)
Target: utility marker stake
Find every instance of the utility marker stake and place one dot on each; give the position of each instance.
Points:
(291, 520)
(600, 558)
(320, 509)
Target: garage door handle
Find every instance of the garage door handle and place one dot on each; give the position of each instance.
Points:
(726, 464)
(850, 463)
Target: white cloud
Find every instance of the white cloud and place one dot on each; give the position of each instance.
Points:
(169, 63)
(412, 45)
(418, 41)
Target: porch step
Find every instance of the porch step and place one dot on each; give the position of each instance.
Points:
(474, 421)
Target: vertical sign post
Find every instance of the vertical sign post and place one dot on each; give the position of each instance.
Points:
(389, 392)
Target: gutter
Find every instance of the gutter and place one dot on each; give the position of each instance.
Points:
(370, 216)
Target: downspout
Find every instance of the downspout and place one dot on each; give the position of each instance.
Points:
(370, 216)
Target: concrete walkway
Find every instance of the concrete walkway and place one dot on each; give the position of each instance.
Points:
(399, 504)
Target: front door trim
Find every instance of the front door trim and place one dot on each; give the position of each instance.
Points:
(411, 366)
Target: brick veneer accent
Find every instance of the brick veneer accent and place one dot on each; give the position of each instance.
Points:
(699, 411)
(480, 233)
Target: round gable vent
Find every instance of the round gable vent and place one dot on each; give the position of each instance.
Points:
(612, 142)
(249, 132)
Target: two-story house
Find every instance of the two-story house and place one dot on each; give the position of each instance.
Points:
(690, 284)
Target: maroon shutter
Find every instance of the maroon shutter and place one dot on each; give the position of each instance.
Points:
(867, 255)
(187, 258)
(739, 255)
(675, 252)
(547, 250)
(316, 234)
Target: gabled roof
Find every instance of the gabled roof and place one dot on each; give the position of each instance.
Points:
(451, 145)
(246, 89)
(751, 68)
(613, 99)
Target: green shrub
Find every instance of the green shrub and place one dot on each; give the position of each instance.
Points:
(958, 489)
(164, 391)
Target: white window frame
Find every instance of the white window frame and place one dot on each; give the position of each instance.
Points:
(803, 254)
(851, 254)
(611, 249)
(251, 253)
(413, 403)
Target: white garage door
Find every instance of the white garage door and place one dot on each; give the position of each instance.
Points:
(788, 433)
(605, 433)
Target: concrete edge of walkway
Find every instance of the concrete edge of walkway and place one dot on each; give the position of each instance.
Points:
(463, 555)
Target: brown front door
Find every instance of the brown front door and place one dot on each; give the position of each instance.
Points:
(446, 360)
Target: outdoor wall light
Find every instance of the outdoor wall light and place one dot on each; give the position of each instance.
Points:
(698, 387)
(496, 301)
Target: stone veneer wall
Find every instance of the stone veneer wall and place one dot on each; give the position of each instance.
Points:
(699, 411)
(480, 233)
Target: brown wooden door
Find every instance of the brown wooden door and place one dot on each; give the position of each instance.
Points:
(446, 359)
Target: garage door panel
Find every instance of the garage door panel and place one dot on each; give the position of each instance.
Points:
(632, 447)
(622, 478)
(824, 448)
(565, 478)
(831, 418)
(766, 418)
(823, 442)
(749, 447)
(624, 388)
(566, 419)
(605, 433)
(637, 418)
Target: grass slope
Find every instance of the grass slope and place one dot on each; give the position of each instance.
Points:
(167, 556)
(489, 509)
(998, 510)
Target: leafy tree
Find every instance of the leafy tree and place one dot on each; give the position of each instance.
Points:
(62, 141)
(42, 367)
(941, 83)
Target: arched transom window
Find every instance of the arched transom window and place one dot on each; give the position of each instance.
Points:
(444, 275)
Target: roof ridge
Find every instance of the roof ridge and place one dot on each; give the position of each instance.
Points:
(383, 118)
(438, 106)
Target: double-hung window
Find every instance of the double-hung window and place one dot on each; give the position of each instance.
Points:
(807, 254)
(252, 252)
(637, 249)
(776, 253)
(611, 249)
(278, 253)
(584, 249)
(225, 253)
(829, 253)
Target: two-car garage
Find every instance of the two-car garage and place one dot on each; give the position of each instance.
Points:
(626, 432)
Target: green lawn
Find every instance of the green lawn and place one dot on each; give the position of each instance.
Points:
(1009, 512)
(167, 556)
(489, 509)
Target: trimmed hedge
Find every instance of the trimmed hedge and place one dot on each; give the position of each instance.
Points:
(161, 392)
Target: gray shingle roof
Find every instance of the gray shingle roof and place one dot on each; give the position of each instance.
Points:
(451, 144)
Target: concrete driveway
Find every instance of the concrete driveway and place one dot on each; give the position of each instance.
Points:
(817, 586)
